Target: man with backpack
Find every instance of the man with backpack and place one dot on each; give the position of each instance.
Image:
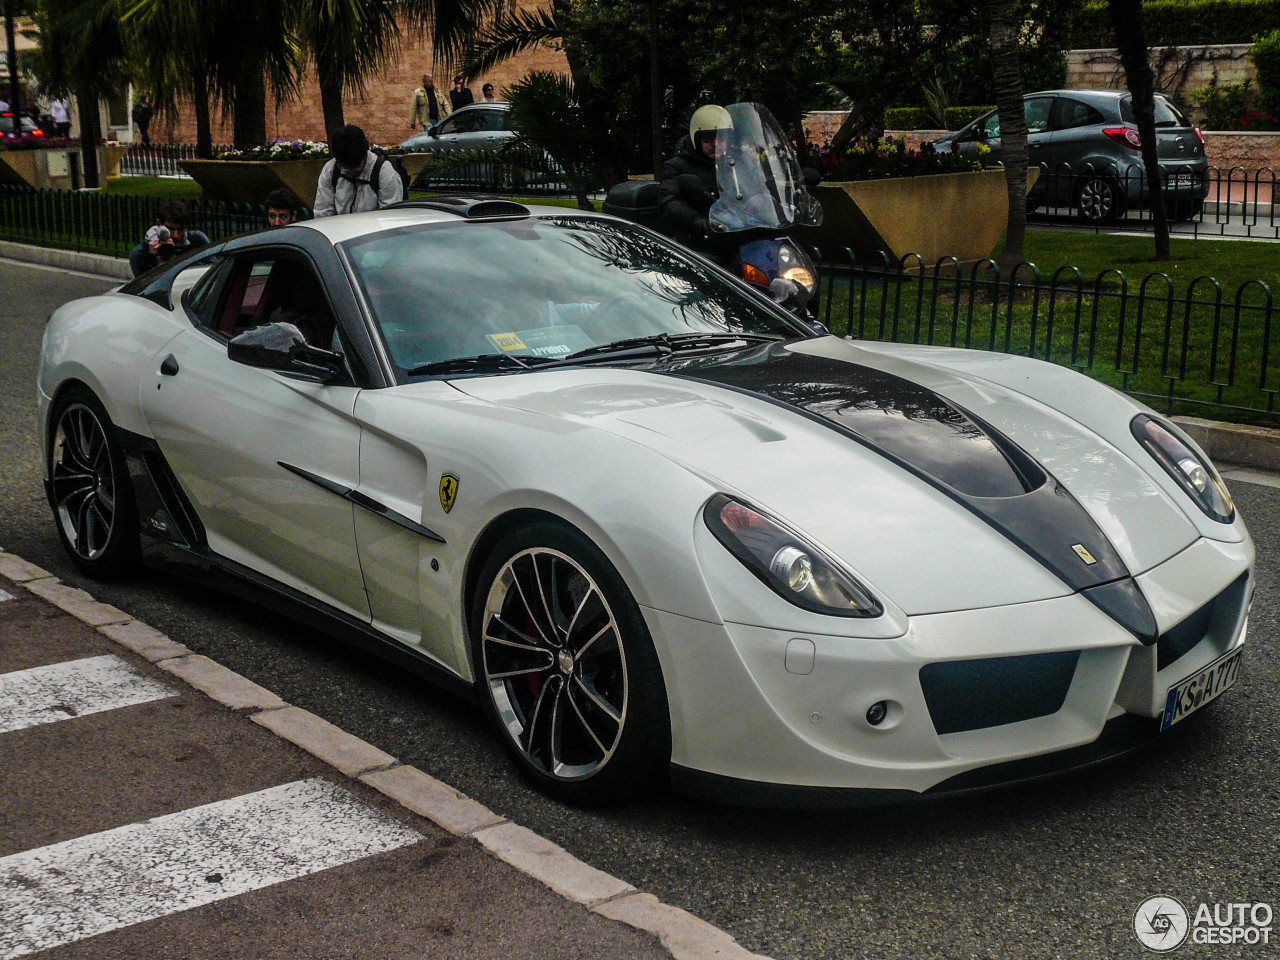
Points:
(356, 179)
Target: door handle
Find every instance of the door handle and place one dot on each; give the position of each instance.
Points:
(169, 366)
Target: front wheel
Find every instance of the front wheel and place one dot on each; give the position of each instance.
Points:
(90, 491)
(1099, 200)
(566, 668)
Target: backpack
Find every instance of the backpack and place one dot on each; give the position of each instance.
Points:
(375, 174)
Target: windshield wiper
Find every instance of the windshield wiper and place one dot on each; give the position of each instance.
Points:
(663, 344)
(483, 363)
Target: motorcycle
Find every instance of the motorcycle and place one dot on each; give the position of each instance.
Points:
(762, 194)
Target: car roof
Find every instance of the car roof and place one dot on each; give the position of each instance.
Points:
(351, 226)
(483, 105)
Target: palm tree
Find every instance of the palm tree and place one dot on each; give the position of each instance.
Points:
(1131, 43)
(82, 52)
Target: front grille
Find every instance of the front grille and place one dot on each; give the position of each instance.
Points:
(1216, 618)
(974, 694)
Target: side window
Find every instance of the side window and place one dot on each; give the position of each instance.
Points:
(201, 288)
(1037, 112)
(1073, 113)
(488, 120)
(276, 289)
(447, 126)
(505, 119)
(464, 122)
(990, 126)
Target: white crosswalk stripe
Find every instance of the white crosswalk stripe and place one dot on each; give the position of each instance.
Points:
(60, 691)
(87, 886)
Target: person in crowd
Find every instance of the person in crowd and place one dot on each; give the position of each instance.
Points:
(356, 179)
(283, 207)
(170, 236)
(141, 115)
(460, 95)
(689, 187)
(428, 106)
(4, 105)
(488, 92)
(60, 110)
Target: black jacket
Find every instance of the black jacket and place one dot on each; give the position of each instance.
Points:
(683, 208)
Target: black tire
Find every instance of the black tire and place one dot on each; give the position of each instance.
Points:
(573, 688)
(90, 492)
(1183, 210)
(1099, 199)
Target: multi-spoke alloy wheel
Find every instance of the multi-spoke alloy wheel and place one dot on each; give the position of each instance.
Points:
(567, 667)
(1099, 200)
(88, 489)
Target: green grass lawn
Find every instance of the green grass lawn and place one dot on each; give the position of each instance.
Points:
(1177, 340)
(168, 188)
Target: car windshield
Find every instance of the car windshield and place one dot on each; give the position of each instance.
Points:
(539, 290)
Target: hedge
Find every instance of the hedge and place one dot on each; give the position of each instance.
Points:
(1184, 22)
(917, 118)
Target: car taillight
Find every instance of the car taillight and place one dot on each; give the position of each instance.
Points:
(37, 133)
(1199, 135)
(1125, 136)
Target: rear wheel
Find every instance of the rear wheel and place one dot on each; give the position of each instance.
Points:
(1099, 200)
(90, 491)
(566, 668)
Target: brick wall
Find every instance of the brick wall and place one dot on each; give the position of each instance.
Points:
(1179, 71)
(383, 111)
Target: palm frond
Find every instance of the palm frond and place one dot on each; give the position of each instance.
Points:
(507, 37)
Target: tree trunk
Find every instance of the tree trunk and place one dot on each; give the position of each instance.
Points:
(655, 91)
(330, 98)
(249, 123)
(90, 131)
(1006, 24)
(1131, 44)
(204, 132)
(11, 48)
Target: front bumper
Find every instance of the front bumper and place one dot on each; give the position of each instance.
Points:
(761, 716)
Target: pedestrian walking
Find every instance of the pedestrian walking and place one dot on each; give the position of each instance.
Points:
(460, 96)
(489, 93)
(428, 107)
(60, 110)
(356, 179)
(141, 114)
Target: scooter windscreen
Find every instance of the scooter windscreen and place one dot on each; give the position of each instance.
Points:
(761, 186)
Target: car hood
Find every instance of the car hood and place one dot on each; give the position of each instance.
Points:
(945, 491)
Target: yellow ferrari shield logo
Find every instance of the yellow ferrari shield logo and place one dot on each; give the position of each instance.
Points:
(448, 491)
(1079, 548)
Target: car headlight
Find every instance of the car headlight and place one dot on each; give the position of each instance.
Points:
(794, 265)
(1191, 471)
(787, 564)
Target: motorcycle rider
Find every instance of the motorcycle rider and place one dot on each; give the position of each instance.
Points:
(688, 188)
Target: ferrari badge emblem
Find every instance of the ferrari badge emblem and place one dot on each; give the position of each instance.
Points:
(1079, 548)
(449, 491)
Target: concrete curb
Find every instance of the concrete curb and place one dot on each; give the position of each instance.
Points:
(682, 934)
(1235, 443)
(93, 263)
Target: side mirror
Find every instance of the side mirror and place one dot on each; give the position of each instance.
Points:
(433, 133)
(281, 346)
(811, 177)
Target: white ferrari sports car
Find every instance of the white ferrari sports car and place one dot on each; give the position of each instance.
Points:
(659, 528)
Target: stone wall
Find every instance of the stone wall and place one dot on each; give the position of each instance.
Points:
(1179, 71)
(383, 111)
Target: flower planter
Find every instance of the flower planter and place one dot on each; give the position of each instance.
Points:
(45, 167)
(249, 181)
(110, 155)
(961, 215)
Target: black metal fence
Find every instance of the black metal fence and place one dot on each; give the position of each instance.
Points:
(108, 223)
(1204, 349)
(1230, 202)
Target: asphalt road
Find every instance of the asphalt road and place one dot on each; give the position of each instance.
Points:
(1051, 870)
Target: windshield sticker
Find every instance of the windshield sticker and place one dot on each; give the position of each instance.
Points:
(557, 341)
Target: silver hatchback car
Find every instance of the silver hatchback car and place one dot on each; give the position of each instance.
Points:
(1090, 156)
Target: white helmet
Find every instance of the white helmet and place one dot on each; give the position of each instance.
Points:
(707, 118)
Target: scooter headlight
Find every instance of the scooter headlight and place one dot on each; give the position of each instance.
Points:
(794, 265)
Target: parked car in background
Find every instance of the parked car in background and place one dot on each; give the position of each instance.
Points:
(1087, 146)
(26, 125)
(479, 126)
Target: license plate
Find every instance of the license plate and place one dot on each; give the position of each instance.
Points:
(1194, 692)
(1181, 180)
